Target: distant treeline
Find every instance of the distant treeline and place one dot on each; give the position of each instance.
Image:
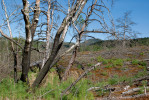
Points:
(95, 44)
(88, 45)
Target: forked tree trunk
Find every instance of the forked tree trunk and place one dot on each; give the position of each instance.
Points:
(78, 40)
(47, 65)
(26, 51)
(58, 41)
(30, 31)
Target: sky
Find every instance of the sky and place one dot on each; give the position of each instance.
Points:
(139, 8)
(140, 13)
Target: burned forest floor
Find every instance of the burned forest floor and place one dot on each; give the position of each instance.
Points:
(123, 75)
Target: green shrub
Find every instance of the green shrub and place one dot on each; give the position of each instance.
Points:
(79, 66)
(79, 92)
(101, 83)
(105, 61)
(142, 63)
(117, 62)
(89, 65)
(128, 59)
(104, 73)
(110, 62)
(140, 66)
(142, 53)
(112, 81)
(109, 66)
(135, 62)
(100, 59)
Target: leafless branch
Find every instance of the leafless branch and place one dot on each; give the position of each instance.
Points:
(7, 37)
(80, 77)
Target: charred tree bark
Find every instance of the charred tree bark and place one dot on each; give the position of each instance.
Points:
(15, 66)
(58, 41)
(71, 62)
(29, 30)
(26, 51)
(78, 40)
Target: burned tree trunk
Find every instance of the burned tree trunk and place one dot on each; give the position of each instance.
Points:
(70, 63)
(80, 33)
(59, 38)
(12, 44)
(29, 30)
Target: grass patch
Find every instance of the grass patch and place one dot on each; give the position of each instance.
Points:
(8, 89)
(111, 62)
(104, 73)
(135, 62)
(142, 63)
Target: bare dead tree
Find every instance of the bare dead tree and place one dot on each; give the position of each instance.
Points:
(59, 38)
(49, 15)
(15, 55)
(81, 30)
(125, 28)
(30, 29)
(75, 8)
(7, 37)
(73, 13)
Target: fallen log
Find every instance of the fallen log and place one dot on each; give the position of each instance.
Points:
(142, 78)
(97, 88)
(139, 96)
(132, 90)
(81, 76)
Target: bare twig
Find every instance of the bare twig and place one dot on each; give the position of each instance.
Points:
(46, 93)
(7, 37)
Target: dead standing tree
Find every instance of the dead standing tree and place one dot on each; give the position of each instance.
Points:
(72, 15)
(74, 11)
(49, 15)
(12, 44)
(125, 28)
(30, 29)
(15, 56)
(96, 10)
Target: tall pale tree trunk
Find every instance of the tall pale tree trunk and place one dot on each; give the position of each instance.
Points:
(124, 35)
(12, 44)
(48, 33)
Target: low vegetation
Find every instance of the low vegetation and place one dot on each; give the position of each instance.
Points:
(51, 89)
(110, 78)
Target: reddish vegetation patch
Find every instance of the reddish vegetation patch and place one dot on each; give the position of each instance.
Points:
(87, 59)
